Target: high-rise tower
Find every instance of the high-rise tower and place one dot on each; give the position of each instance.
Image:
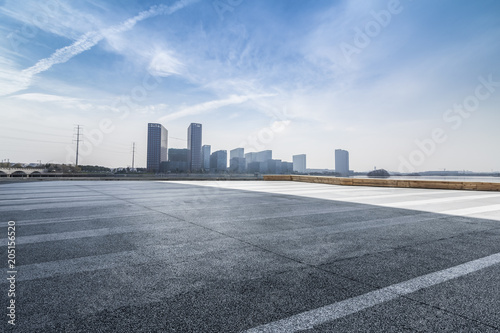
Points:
(342, 162)
(299, 163)
(194, 147)
(157, 146)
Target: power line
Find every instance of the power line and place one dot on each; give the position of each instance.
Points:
(31, 132)
(23, 139)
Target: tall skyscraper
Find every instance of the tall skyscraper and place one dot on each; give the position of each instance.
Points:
(157, 147)
(342, 162)
(205, 156)
(194, 147)
(237, 152)
(299, 163)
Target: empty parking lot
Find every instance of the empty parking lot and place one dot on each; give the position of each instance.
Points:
(132, 256)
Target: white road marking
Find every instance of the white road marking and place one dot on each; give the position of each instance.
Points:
(88, 233)
(371, 196)
(309, 319)
(473, 210)
(441, 200)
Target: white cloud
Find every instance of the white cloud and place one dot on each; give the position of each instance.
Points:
(164, 64)
(210, 106)
(37, 97)
(86, 42)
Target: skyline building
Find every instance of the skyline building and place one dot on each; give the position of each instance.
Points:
(177, 161)
(237, 161)
(342, 162)
(274, 167)
(237, 164)
(205, 156)
(218, 161)
(237, 152)
(198, 158)
(194, 147)
(286, 167)
(265, 155)
(157, 147)
(249, 158)
(299, 163)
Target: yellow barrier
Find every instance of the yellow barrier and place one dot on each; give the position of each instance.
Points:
(431, 184)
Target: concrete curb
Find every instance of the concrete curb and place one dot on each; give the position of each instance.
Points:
(430, 184)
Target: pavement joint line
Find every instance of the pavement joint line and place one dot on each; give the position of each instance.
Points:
(88, 233)
(318, 267)
(132, 203)
(309, 319)
(71, 219)
(403, 248)
(251, 244)
(449, 312)
(239, 240)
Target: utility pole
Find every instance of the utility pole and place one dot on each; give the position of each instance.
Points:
(133, 153)
(77, 141)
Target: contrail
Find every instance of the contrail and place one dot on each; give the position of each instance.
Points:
(88, 40)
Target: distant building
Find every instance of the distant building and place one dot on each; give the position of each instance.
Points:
(253, 167)
(218, 161)
(299, 163)
(194, 147)
(237, 165)
(265, 155)
(274, 167)
(237, 152)
(205, 156)
(157, 147)
(260, 161)
(249, 158)
(286, 167)
(342, 162)
(177, 161)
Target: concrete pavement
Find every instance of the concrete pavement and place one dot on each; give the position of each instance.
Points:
(95, 256)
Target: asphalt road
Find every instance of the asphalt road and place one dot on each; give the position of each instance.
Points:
(255, 256)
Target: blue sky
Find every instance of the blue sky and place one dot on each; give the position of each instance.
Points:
(383, 79)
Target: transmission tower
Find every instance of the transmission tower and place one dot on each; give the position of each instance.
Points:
(78, 134)
(133, 153)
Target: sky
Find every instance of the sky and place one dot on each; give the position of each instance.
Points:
(402, 85)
